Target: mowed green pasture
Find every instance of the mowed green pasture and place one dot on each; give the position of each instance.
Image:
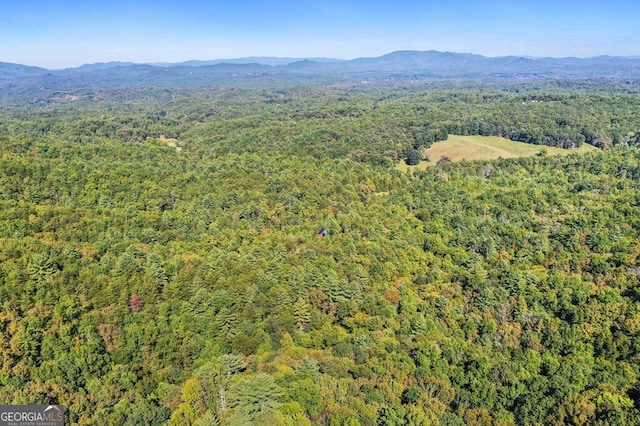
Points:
(487, 148)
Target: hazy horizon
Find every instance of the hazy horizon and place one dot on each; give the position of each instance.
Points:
(266, 60)
(64, 34)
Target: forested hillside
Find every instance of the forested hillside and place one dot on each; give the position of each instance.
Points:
(161, 262)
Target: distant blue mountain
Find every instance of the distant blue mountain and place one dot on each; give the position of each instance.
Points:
(101, 66)
(8, 70)
(442, 64)
(448, 64)
(261, 60)
(269, 71)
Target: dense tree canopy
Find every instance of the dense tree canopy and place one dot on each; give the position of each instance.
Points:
(160, 263)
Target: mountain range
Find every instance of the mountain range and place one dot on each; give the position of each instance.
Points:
(269, 71)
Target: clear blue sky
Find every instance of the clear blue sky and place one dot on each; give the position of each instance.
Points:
(58, 33)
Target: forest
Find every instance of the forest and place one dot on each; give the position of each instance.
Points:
(161, 262)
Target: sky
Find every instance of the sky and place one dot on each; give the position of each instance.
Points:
(68, 33)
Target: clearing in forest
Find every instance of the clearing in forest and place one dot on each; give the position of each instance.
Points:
(173, 143)
(487, 148)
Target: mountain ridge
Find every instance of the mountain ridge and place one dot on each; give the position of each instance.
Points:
(17, 80)
(8, 69)
(275, 61)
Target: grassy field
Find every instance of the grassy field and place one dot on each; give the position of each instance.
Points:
(486, 148)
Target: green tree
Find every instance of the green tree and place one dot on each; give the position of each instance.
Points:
(302, 313)
(414, 157)
(250, 396)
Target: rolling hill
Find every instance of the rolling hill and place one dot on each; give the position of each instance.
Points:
(399, 65)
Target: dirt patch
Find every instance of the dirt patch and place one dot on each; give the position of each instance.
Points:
(173, 143)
